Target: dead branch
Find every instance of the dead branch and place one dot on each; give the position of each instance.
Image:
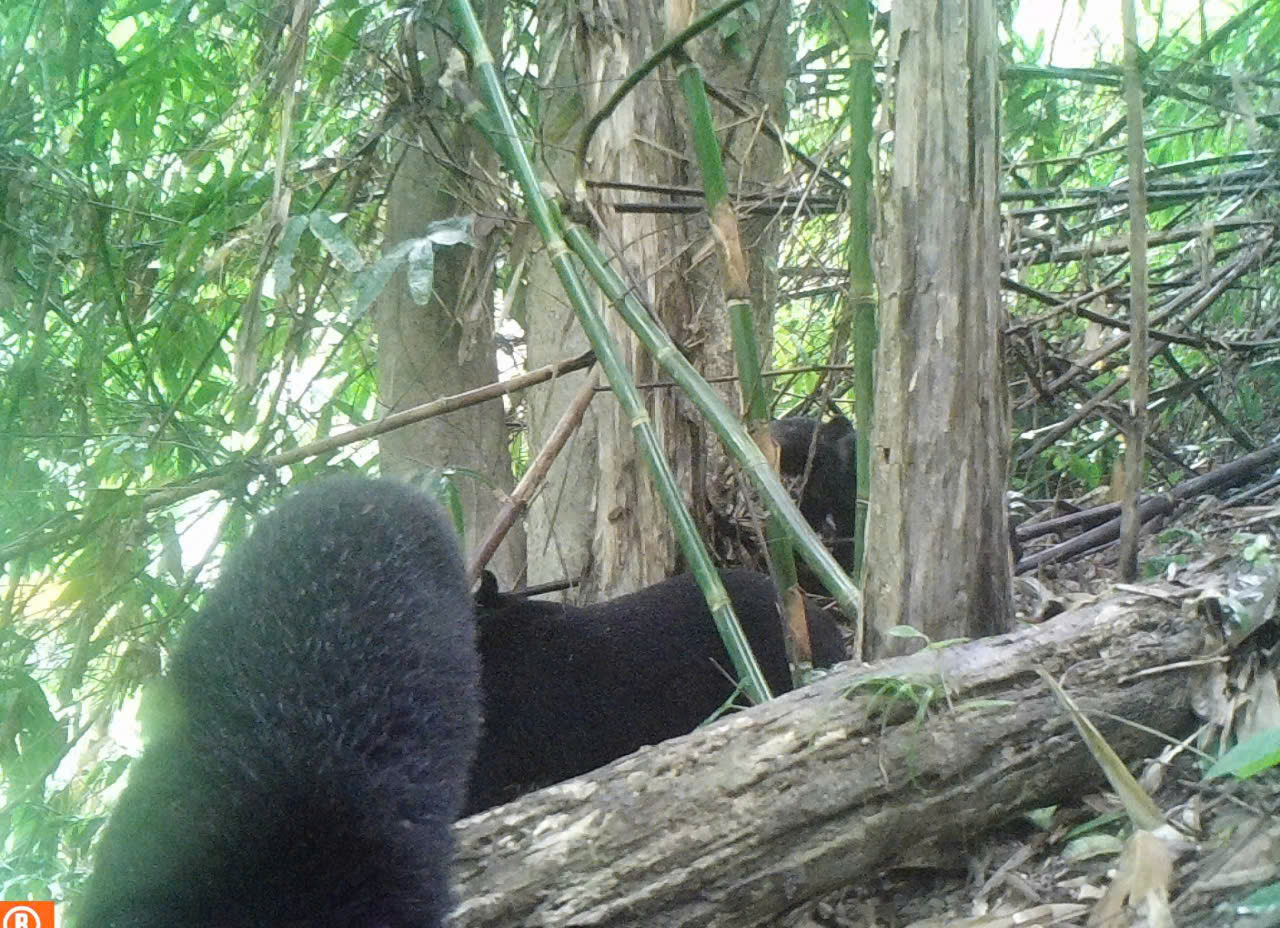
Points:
(1105, 519)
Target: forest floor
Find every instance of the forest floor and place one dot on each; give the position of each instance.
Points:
(1078, 864)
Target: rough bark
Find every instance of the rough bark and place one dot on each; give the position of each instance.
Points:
(756, 814)
(626, 544)
(425, 352)
(560, 524)
(937, 542)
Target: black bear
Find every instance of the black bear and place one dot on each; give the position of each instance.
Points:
(827, 497)
(314, 731)
(569, 688)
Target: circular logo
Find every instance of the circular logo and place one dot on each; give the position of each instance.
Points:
(22, 916)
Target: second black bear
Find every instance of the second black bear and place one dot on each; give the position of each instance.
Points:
(569, 688)
(316, 728)
(827, 496)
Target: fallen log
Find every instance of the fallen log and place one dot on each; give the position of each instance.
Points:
(749, 817)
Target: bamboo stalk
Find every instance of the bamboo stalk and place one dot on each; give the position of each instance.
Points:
(506, 139)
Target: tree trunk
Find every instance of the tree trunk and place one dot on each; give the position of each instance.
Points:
(599, 513)
(937, 541)
(446, 346)
(748, 818)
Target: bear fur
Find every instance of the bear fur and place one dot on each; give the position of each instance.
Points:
(569, 688)
(827, 497)
(313, 734)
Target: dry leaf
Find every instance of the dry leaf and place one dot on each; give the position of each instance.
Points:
(1141, 882)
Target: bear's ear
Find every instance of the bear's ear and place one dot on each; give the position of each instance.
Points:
(487, 596)
(836, 427)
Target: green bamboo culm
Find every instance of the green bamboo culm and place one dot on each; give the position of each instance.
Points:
(737, 288)
(496, 121)
(705, 144)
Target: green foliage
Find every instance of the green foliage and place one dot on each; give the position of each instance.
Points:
(1254, 755)
(891, 696)
(1157, 564)
(1066, 177)
(145, 342)
(1256, 549)
(34, 741)
(1263, 903)
(1248, 758)
(803, 346)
